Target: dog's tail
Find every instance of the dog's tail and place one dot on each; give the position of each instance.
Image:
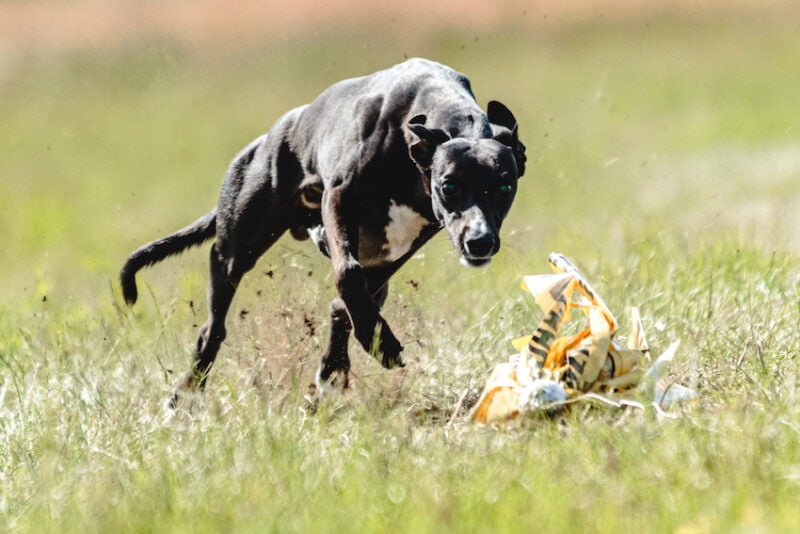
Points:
(196, 233)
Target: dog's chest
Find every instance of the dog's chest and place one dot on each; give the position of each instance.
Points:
(380, 245)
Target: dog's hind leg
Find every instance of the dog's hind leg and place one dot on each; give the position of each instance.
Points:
(225, 277)
(230, 260)
(251, 217)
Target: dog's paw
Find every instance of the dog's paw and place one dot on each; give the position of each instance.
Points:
(338, 379)
(390, 353)
(330, 381)
(383, 345)
(392, 361)
(337, 383)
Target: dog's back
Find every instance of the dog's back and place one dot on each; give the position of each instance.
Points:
(370, 111)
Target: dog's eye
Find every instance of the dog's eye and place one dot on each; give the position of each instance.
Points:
(449, 189)
(505, 189)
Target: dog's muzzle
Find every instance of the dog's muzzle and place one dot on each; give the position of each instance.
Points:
(478, 252)
(478, 245)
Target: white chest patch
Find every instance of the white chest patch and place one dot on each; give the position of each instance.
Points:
(404, 227)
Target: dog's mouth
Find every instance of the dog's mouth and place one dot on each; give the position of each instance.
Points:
(476, 258)
(474, 261)
(475, 242)
(477, 252)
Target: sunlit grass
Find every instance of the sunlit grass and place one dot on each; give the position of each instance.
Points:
(663, 160)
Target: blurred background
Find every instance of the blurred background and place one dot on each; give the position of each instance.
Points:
(652, 127)
(664, 158)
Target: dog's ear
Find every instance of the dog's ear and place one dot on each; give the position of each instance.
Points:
(423, 148)
(500, 115)
(505, 129)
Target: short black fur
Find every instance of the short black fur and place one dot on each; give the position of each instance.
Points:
(370, 170)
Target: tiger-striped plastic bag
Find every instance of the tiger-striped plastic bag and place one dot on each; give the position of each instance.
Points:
(550, 372)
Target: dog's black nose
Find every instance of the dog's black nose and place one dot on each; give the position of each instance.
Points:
(480, 247)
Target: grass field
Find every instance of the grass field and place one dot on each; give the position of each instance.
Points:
(664, 158)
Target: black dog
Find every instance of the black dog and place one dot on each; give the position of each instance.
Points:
(370, 170)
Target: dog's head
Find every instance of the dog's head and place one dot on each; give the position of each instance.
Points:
(472, 182)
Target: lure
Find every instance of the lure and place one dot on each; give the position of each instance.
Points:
(549, 372)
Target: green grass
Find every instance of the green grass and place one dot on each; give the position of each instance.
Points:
(664, 159)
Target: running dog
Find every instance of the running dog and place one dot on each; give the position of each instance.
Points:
(370, 171)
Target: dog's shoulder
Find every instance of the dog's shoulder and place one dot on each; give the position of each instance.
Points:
(360, 122)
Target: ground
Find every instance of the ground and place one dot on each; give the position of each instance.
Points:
(664, 159)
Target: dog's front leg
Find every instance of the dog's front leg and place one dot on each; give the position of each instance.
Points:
(341, 229)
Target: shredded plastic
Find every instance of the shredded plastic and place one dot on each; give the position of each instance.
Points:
(549, 372)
